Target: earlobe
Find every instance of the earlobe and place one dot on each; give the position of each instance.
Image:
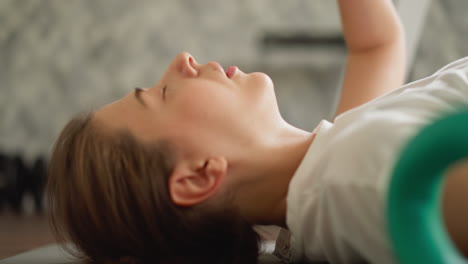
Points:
(193, 183)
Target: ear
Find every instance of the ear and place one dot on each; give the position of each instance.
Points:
(193, 182)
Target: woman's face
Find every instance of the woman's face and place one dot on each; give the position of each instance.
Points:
(198, 107)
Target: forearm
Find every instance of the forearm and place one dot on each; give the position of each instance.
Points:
(376, 51)
(368, 24)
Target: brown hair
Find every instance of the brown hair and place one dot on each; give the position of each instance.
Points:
(108, 195)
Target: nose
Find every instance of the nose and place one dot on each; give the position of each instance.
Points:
(186, 64)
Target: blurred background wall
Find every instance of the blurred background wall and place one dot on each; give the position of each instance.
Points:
(62, 57)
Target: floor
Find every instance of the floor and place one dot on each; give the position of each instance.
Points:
(19, 233)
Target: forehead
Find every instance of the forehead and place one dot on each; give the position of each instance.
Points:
(120, 114)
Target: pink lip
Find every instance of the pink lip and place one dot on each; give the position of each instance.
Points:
(231, 71)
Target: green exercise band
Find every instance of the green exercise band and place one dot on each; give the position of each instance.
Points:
(415, 222)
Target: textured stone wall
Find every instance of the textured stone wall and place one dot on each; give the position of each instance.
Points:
(444, 39)
(61, 57)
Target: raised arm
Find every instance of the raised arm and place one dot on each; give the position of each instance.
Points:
(376, 51)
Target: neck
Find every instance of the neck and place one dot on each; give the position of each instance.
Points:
(269, 170)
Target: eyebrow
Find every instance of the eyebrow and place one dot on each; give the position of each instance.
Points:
(138, 96)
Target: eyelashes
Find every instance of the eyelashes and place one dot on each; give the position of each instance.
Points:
(164, 92)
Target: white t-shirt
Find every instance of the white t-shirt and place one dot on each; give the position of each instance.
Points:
(337, 198)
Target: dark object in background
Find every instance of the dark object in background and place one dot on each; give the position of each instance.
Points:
(3, 180)
(301, 40)
(18, 180)
(36, 183)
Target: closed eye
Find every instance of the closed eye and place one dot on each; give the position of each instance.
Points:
(137, 95)
(164, 92)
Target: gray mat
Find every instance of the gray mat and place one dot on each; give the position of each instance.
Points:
(52, 254)
(275, 247)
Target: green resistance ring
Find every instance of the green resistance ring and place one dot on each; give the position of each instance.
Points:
(415, 222)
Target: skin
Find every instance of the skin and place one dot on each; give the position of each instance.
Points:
(454, 197)
(227, 132)
(376, 59)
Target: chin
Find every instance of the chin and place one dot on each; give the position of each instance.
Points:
(261, 79)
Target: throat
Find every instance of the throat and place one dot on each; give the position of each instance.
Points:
(264, 198)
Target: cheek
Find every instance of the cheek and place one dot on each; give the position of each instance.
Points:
(202, 118)
(207, 105)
